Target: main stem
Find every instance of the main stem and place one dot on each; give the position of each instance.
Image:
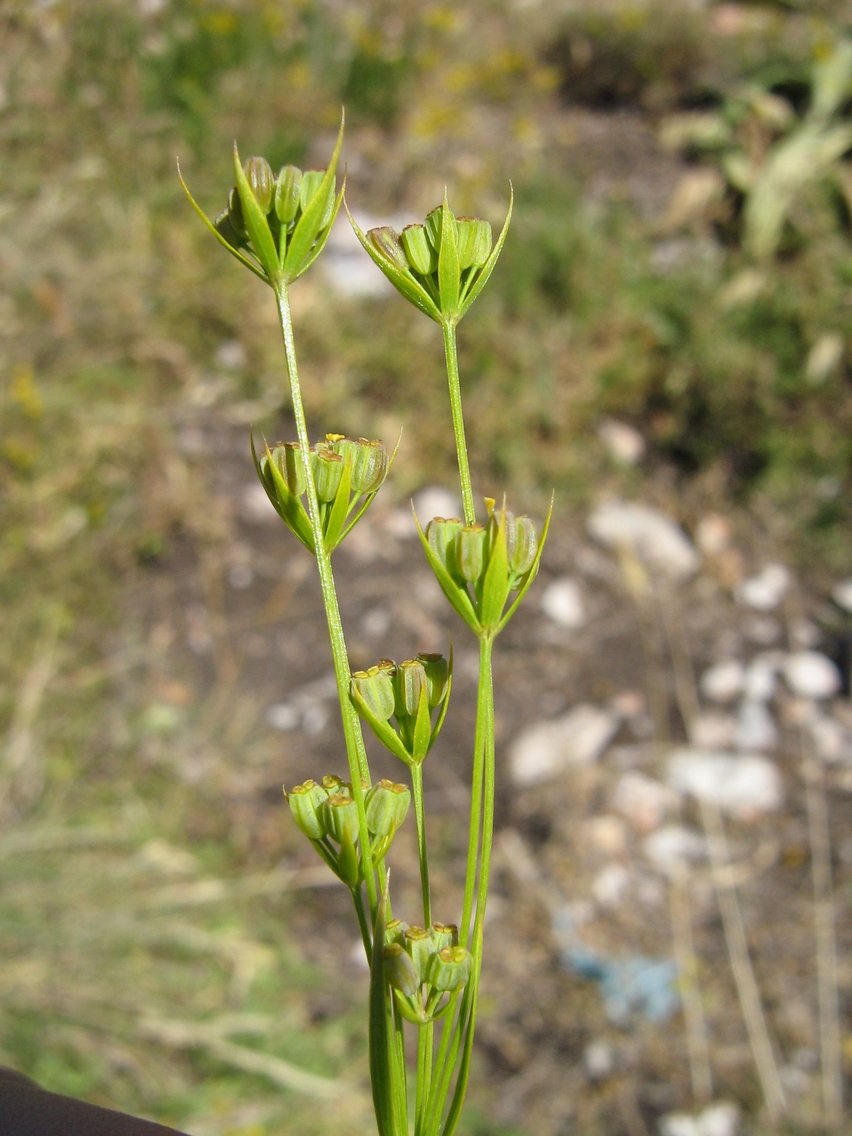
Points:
(355, 751)
(454, 386)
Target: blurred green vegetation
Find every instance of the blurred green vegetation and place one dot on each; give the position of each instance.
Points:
(735, 369)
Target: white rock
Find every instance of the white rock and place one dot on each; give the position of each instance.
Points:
(655, 539)
(642, 800)
(434, 501)
(547, 749)
(607, 834)
(713, 534)
(761, 675)
(678, 1124)
(598, 1060)
(756, 729)
(723, 682)
(672, 849)
(562, 602)
(282, 716)
(721, 1119)
(743, 785)
(843, 594)
(622, 442)
(611, 885)
(810, 674)
(766, 590)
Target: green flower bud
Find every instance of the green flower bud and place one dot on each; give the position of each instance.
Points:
(475, 241)
(369, 466)
(440, 535)
(437, 674)
(376, 687)
(449, 968)
(409, 683)
(522, 546)
(327, 468)
(418, 944)
(470, 548)
(305, 803)
(432, 226)
(341, 818)
(333, 784)
(395, 932)
(444, 935)
(235, 215)
(419, 253)
(386, 242)
(224, 226)
(290, 462)
(288, 194)
(387, 805)
(261, 180)
(400, 971)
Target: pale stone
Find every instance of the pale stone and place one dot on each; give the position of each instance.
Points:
(766, 590)
(756, 729)
(744, 785)
(810, 674)
(723, 682)
(648, 533)
(562, 602)
(642, 800)
(673, 849)
(623, 443)
(547, 749)
(713, 534)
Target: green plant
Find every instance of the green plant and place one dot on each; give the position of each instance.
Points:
(778, 167)
(425, 975)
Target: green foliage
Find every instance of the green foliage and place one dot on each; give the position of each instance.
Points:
(780, 169)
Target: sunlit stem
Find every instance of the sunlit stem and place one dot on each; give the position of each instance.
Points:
(481, 797)
(359, 772)
(420, 825)
(454, 386)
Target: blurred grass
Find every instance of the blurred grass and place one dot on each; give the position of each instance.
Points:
(113, 319)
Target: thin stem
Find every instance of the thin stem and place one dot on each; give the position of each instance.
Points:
(483, 735)
(478, 872)
(356, 753)
(425, 1040)
(420, 825)
(454, 386)
(363, 922)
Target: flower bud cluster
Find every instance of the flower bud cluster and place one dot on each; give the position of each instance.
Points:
(405, 704)
(423, 967)
(327, 814)
(347, 473)
(277, 225)
(479, 567)
(441, 265)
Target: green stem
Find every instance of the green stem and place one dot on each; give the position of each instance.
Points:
(355, 751)
(454, 385)
(481, 796)
(420, 825)
(425, 1041)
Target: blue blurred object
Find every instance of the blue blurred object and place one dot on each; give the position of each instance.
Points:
(631, 987)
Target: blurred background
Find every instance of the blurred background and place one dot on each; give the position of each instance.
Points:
(665, 342)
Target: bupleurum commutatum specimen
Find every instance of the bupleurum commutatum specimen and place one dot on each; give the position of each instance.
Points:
(424, 975)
